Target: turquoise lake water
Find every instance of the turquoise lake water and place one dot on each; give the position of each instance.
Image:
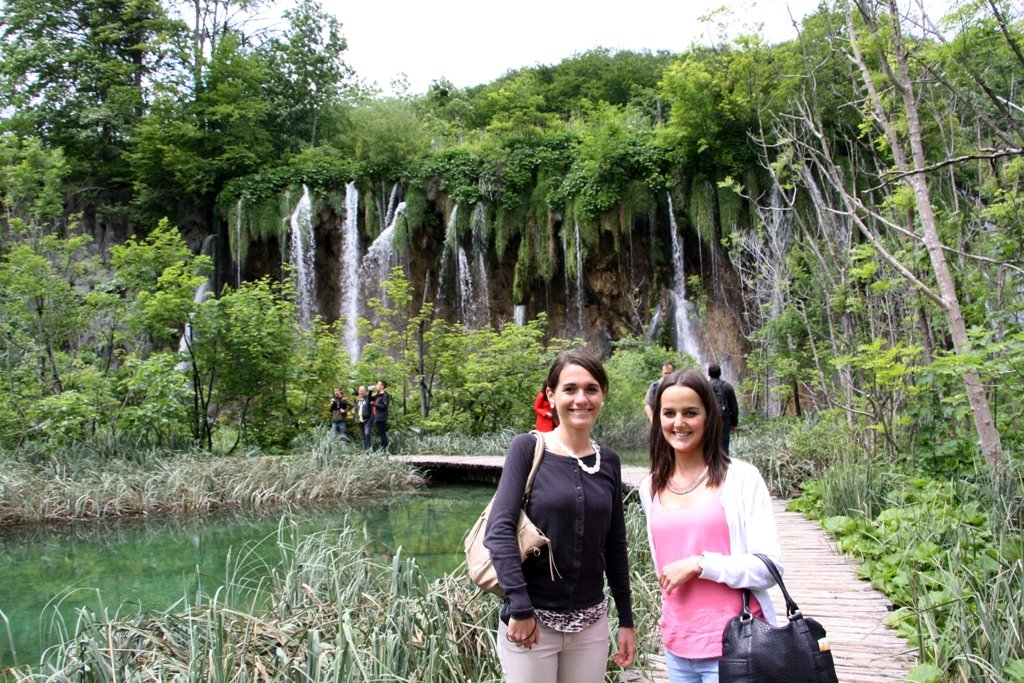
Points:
(48, 573)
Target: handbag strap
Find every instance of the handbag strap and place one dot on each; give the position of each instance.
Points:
(791, 606)
(538, 455)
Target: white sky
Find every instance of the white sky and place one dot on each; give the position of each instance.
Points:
(473, 41)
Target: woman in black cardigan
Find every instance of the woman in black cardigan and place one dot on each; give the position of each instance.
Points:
(554, 623)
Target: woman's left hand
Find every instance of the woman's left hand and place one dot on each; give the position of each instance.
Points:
(626, 638)
(677, 573)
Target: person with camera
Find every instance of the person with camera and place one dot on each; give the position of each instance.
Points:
(339, 412)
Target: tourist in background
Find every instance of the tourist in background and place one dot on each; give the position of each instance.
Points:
(339, 412)
(667, 368)
(545, 413)
(725, 396)
(554, 622)
(364, 416)
(381, 402)
(707, 515)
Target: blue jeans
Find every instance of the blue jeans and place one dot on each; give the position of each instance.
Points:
(682, 670)
(364, 429)
(338, 428)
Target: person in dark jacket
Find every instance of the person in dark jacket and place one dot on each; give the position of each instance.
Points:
(339, 412)
(725, 396)
(381, 401)
(364, 415)
(554, 623)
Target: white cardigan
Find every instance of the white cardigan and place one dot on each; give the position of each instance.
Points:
(752, 529)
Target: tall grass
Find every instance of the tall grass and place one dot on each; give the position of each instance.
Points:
(79, 485)
(408, 443)
(326, 611)
(949, 553)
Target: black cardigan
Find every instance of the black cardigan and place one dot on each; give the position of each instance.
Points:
(582, 515)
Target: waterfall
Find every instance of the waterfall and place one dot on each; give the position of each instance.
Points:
(654, 328)
(579, 280)
(467, 297)
(565, 269)
(350, 271)
(302, 256)
(391, 211)
(198, 297)
(451, 239)
(380, 259)
(238, 243)
(469, 294)
(519, 314)
(482, 301)
(686, 337)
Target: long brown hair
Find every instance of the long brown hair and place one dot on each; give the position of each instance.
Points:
(663, 457)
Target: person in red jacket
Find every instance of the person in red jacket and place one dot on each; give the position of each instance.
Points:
(545, 414)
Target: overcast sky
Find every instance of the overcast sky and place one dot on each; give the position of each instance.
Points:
(472, 41)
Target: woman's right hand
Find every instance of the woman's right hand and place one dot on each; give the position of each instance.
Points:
(679, 572)
(523, 633)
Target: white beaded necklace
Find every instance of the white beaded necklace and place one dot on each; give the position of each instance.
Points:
(597, 451)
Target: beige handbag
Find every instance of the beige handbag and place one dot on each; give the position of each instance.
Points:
(531, 539)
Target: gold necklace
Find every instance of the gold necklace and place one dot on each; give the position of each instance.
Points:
(683, 490)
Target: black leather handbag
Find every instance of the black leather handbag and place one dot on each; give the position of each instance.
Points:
(754, 651)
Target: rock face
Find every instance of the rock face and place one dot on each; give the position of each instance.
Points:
(624, 286)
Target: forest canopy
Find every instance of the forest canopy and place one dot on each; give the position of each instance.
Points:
(862, 181)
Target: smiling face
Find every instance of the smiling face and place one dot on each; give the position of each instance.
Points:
(577, 397)
(682, 421)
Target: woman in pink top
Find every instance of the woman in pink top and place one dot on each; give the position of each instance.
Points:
(707, 515)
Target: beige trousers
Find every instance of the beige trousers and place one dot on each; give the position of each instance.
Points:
(558, 657)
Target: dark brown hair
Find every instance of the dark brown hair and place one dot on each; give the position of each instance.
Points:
(585, 360)
(663, 457)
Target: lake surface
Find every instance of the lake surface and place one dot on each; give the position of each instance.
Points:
(50, 572)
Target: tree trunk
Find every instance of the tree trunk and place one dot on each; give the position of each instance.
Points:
(915, 171)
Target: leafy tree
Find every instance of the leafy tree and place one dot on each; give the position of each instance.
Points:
(487, 379)
(307, 71)
(242, 347)
(31, 189)
(74, 73)
(188, 146)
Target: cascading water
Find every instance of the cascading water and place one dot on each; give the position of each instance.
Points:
(481, 303)
(469, 292)
(579, 280)
(447, 250)
(391, 211)
(198, 297)
(302, 256)
(238, 243)
(654, 329)
(519, 314)
(467, 297)
(350, 271)
(686, 337)
(379, 260)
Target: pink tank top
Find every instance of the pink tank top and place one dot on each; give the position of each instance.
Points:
(694, 615)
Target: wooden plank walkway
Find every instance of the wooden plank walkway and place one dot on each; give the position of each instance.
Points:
(823, 583)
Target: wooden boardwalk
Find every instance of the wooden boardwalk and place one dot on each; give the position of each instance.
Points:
(823, 583)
